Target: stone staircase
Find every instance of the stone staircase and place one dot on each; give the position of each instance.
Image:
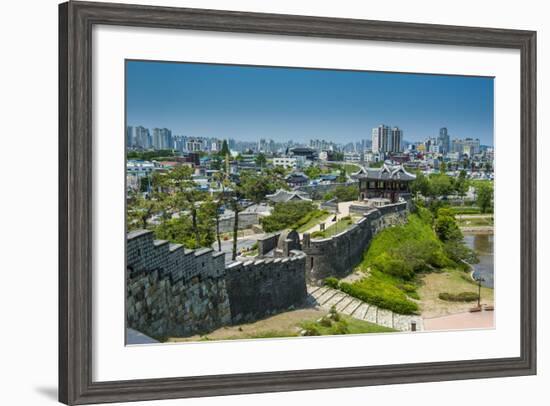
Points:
(325, 297)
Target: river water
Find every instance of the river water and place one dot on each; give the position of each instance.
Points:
(483, 245)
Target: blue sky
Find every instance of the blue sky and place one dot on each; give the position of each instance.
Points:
(248, 103)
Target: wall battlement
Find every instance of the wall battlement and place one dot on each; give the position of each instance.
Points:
(145, 254)
(339, 254)
(172, 291)
(266, 286)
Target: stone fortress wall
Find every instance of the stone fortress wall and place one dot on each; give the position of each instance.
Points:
(246, 220)
(317, 192)
(172, 291)
(339, 254)
(266, 286)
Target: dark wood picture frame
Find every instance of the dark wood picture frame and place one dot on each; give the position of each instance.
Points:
(76, 20)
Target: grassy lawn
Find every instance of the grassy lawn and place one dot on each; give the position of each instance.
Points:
(287, 324)
(451, 281)
(475, 221)
(340, 226)
(384, 291)
(346, 325)
(318, 218)
(351, 168)
(465, 210)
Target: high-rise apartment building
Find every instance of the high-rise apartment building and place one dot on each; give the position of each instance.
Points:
(142, 138)
(129, 136)
(387, 139)
(162, 138)
(396, 140)
(444, 141)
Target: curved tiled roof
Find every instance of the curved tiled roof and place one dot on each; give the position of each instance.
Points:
(388, 172)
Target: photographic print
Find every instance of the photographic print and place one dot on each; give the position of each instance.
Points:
(278, 202)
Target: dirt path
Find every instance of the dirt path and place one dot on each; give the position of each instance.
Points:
(343, 211)
(284, 324)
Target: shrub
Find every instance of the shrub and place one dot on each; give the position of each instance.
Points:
(458, 297)
(317, 234)
(311, 330)
(325, 322)
(340, 328)
(408, 287)
(347, 193)
(379, 294)
(333, 314)
(331, 282)
(394, 267)
(287, 214)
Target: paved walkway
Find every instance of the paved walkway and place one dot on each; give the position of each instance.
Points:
(325, 297)
(343, 211)
(461, 321)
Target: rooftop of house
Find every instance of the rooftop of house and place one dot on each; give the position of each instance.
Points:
(282, 196)
(387, 172)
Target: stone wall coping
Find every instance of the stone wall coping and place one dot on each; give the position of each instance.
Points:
(137, 233)
(297, 254)
(232, 265)
(268, 236)
(202, 251)
(158, 243)
(216, 254)
(175, 247)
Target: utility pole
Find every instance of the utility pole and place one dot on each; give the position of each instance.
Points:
(479, 280)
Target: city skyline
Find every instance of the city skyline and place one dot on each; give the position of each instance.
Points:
(249, 103)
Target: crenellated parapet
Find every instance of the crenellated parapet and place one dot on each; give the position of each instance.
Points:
(145, 254)
(266, 286)
(339, 254)
(173, 291)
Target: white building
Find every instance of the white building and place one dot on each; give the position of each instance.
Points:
(285, 162)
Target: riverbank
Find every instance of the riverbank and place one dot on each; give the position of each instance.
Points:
(477, 229)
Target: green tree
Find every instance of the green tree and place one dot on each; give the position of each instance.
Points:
(421, 185)
(144, 183)
(445, 226)
(484, 200)
(440, 185)
(285, 215)
(139, 211)
(261, 160)
(312, 172)
(346, 193)
(255, 186)
(461, 184)
(342, 178)
(225, 149)
(184, 196)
